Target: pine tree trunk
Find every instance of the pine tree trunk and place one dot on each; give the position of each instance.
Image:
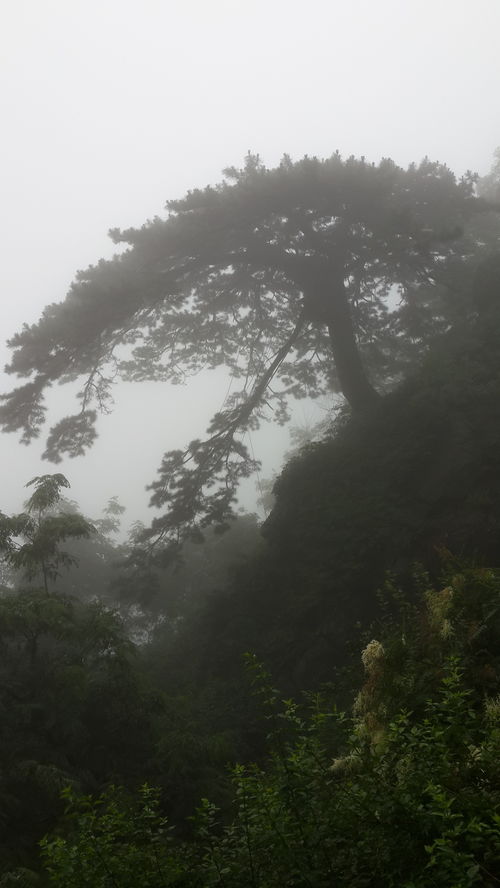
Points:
(327, 303)
(354, 383)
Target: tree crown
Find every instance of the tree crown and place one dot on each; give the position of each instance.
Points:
(285, 273)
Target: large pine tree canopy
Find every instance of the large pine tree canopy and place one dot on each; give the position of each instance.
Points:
(319, 274)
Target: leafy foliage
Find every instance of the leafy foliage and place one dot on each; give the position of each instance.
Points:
(73, 710)
(120, 843)
(30, 541)
(411, 801)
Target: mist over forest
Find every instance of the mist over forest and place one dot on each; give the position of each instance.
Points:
(250, 437)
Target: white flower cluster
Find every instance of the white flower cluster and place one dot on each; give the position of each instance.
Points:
(372, 655)
(492, 709)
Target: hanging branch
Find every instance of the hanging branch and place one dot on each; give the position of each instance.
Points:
(221, 461)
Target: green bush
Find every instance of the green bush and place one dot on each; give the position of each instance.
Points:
(389, 797)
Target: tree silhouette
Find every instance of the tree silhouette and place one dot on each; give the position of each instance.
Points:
(285, 274)
(31, 540)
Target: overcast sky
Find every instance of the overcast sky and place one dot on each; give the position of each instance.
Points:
(110, 107)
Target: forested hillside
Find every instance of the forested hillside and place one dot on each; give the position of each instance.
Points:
(314, 701)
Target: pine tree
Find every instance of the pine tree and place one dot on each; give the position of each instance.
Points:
(286, 274)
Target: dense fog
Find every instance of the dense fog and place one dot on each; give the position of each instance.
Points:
(250, 273)
(110, 109)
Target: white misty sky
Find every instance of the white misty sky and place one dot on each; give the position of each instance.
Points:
(111, 107)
